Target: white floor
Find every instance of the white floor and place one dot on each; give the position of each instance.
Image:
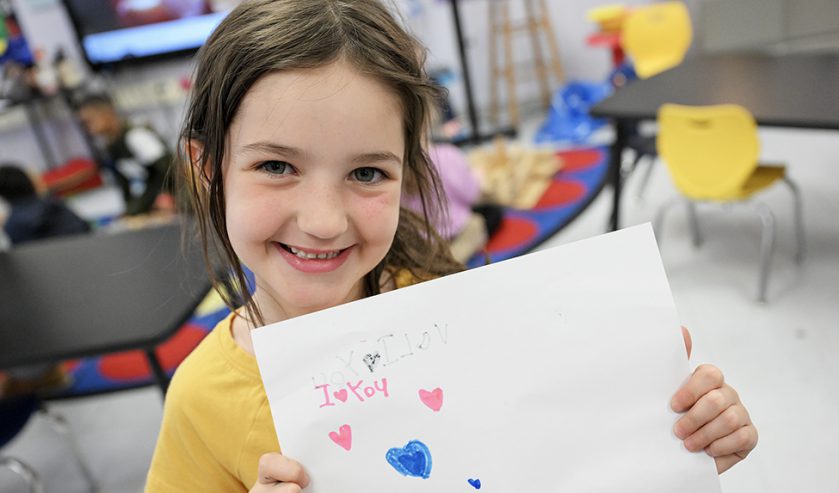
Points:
(782, 356)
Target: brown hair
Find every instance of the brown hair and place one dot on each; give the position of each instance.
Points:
(262, 36)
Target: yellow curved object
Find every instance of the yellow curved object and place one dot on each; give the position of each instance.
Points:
(657, 37)
(211, 304)
(712, 151)
(608, 17)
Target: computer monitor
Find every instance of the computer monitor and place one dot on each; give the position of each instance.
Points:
(114, 32)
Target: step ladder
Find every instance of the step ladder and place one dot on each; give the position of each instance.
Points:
(502, 29)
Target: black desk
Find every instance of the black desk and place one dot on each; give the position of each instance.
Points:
(86, 295)
(798, 91)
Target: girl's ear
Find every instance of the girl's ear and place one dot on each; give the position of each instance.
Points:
(200, 168)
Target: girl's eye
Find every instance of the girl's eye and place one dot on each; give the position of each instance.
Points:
(276, 167)
(368, 175)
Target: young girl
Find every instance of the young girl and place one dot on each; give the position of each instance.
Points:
(305, 128)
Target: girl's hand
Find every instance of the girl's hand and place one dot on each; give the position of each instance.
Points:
(279, 474)
(715, 419)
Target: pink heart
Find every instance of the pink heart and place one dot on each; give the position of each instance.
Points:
(343, 437)
(433, 399)
(341, 395)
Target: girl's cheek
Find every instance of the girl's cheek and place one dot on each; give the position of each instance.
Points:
(380, 207)
(252, 219)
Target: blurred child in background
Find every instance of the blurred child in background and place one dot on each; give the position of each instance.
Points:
(31, 216)
(468, 223)
(138, 157)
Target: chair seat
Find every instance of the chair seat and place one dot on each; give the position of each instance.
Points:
(763, 177)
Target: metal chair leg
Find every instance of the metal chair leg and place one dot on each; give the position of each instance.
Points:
(658, 221)
(798, 210)
(22, 469)
(645, 179)
(59, 424)
(629, 161)
(693, 219)
(767, 245)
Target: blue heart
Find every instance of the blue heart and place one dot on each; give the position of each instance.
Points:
(476, 483)
(414, 459)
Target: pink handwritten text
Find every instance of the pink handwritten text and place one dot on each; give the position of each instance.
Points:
(358, 390)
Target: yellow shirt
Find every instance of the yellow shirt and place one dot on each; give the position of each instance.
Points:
(216, 420)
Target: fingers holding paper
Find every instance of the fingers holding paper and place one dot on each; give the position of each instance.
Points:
(279, 474)
(715, 420)
(688, 340)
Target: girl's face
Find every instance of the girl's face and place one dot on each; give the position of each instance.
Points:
(312, 184)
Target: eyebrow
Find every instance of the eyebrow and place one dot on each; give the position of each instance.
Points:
(376, 157)
(272, 148)
(359, 159)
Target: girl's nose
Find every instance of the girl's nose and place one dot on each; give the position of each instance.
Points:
(321, 213)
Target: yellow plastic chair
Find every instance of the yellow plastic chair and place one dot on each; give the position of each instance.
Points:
(712, 155)
(657, 37)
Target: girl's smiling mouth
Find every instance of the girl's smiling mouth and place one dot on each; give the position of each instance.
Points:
(313, 261)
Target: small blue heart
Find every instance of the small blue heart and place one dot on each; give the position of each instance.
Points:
(476, 483)
(414, 459)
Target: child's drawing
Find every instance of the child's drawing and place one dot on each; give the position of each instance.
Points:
(414, 459)
(432, 399)
(370, 360)
(343, 437)
(574, 318)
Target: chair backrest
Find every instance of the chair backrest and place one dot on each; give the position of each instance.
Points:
(710, 150)
(657, 37)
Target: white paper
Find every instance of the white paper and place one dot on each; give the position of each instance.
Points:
(555, 372)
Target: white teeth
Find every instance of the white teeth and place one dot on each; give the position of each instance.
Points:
(312, 256)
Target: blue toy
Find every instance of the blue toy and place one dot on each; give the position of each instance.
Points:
(568, 117)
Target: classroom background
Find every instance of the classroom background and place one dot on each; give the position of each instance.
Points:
(535, 127)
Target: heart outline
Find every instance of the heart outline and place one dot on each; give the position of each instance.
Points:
(433, 399)
(343, 437)
(414, 459)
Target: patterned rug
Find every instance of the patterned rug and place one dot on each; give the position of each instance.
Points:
(573, 188)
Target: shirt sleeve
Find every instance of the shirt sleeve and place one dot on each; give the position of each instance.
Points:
(183, 461)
